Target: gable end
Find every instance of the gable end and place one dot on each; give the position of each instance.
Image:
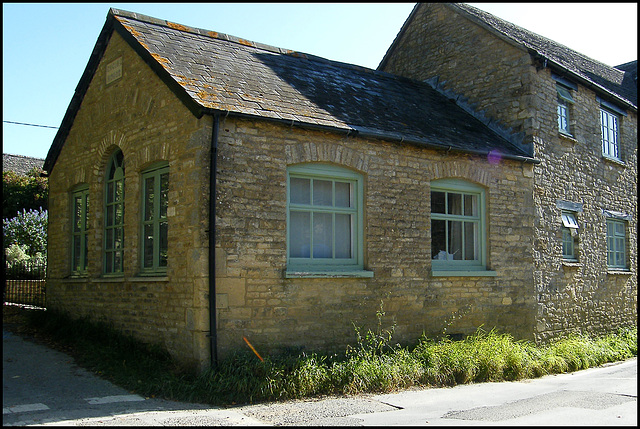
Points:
(110, 25)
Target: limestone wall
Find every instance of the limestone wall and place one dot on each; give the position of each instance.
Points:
(494, 76)
(582, 296)
(504, 83)
(255, 299)
(138, 114)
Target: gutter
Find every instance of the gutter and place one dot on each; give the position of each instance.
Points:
(448, 148)
(213, 165)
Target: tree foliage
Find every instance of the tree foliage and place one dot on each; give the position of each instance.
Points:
(19, 192)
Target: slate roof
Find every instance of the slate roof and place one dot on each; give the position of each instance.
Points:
(616, 82)
(217, 73)
(20, 164)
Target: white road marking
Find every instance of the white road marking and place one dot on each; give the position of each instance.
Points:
(25, 408)
(113, 399)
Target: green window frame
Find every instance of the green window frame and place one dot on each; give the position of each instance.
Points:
(569, 230)
(154, 223)
(610, 128)
(324, 221)
(114, 215)
(565, 100)
(458, 237)
(616, 244)
(79, 230)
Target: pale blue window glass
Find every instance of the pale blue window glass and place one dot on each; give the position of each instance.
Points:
(324, 225)
(567, 244)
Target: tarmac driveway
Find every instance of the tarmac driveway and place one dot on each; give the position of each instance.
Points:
(42, 386)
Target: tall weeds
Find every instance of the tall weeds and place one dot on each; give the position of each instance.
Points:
(374, 364)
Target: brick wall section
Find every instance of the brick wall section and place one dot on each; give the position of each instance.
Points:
(503, 82)
(138, 114)
(255, 300)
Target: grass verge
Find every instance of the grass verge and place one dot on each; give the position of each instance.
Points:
(375, 364)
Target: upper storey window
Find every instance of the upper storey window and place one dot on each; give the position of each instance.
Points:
(610, 126)
(565, 103)
(565, 90)
(611, 117)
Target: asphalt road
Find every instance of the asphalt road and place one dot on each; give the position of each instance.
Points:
(42, 386)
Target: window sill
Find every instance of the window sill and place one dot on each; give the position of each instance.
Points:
(619, 271)
(77, 277)
(122, 279)
(454, 273)
(320, 274)
(614, 160)
(149, 278)
(571, 263)
(567, 136)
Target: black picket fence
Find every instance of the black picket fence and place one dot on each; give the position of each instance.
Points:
(25, 283)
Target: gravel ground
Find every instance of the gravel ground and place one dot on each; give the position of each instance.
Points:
(315, 412)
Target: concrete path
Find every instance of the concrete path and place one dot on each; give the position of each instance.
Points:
(603, 396)
(42, 386)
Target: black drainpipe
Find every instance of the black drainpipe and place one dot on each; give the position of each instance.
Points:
(213, 332)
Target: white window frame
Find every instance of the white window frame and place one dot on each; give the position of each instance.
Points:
(610, 133)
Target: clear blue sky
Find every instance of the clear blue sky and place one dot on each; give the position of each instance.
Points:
(46, 46)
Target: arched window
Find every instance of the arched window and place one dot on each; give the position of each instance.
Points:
(114, 216)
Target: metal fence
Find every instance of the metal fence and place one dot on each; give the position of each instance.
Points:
(25, 283)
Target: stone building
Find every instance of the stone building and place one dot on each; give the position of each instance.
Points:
(579, 117)
(336, 189)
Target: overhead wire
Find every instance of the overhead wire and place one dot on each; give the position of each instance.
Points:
(30, 125)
